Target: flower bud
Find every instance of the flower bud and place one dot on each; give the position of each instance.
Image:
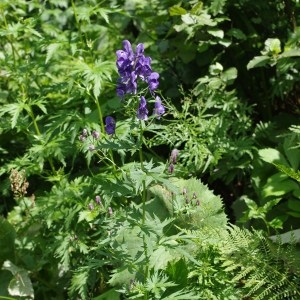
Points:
(98, 199)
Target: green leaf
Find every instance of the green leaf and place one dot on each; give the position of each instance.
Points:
(278, 185)
(108, 295)
(288, 171)
(177, 11)
(258, 61)
(20, 285)
(51, 50)
(217, 6)
(290, 53)
(272, 47)
(272, 156)
(229, 75)
(7, 241)
(188, 19)
(216, 32)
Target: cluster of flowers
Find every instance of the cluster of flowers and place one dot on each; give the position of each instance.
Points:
(110, 127)
(190, 201)
(98, 201)
(131, 67)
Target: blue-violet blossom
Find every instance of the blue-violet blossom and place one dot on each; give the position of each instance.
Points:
(159, 109)
(142, 112)
(110, 125)
(132, 66)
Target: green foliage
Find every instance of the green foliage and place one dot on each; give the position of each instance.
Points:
(277, 188)
(20, 285)
(265, 270)
(210, 128)
(153, 232)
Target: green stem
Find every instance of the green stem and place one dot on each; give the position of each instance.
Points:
(140, 144)
(10, 40)
(103, 130)
(99, 113)
(77, 21)
(38, 132)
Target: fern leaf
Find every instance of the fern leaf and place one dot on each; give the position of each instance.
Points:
(51, 49)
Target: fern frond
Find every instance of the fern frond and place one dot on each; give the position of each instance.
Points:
(260, 265)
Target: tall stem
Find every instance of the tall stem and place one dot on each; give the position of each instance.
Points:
(103, 130)
(77, 21)
(140, 144)
(38, 132)
(10, 40)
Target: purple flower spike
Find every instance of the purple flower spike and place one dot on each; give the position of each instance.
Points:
(159, 109)
(133, 66)
(110, 125)
(153, 81)
(142, 112)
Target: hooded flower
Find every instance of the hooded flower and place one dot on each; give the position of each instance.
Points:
(132, 66)
(159, 109)
(153, 81)
(110, 125)
(142, 112)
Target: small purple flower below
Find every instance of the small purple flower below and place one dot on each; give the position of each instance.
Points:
(174, 155)
(159, 109)
(110, 125)
(92, 147)
(142, 112)
(98, 199)
(153, 81)
(95, 134)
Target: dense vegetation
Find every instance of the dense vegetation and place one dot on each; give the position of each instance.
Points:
(149, 149)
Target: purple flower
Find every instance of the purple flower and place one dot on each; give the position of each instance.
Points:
(143, 67)
(110, 125)
(174, 155)
(153, 81)
(98, 199)
(92, 147)
(91, 206)
(82, 138)
(128, 49)
(95, 134)
(132, 66)
(142, 112)
(159, 109)
(171, 168)
(84, 132)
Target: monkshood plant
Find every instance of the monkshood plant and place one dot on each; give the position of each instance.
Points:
(140, 206)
